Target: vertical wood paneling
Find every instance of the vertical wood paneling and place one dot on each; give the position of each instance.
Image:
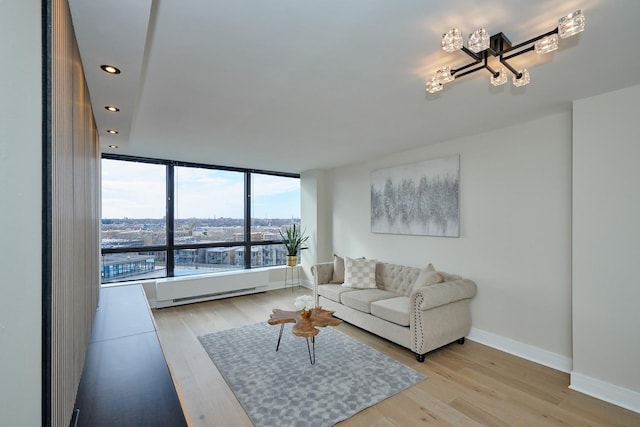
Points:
(75, 217)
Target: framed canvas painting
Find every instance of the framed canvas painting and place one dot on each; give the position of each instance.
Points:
(421, 198)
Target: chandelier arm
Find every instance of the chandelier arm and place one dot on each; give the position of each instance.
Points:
(513, 55)
(464, 67)
(476, 57)
(491, 70)
(488, 67)
(503, 61)
(533, 40)
(482, 67)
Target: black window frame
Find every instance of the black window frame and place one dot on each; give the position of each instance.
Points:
(169, 247)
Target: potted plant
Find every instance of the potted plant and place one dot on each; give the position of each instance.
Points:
(293, 240)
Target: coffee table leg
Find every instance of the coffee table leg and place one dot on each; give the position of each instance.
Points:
(280, 336)
(313, 344)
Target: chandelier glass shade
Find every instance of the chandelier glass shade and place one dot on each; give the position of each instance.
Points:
(546, 44)
(571, 24)
(522, 78)
(501, 78)
(481, 46)
(452, 40)
(478, 40)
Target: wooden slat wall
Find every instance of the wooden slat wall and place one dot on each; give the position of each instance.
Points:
(75, 216)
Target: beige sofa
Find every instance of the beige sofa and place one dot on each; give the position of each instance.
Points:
(420, 309)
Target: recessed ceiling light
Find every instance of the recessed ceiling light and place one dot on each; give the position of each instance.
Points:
(112, 132)
(110, 69)
(113, 146)
(112, 108)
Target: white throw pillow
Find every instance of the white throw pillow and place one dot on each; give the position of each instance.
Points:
(359, 273)
(338, 270)
(427, 277)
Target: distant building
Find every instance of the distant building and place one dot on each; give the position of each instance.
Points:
(263, 256)
(188, 256)
(111, 243)
(220, 256)
(115, 266)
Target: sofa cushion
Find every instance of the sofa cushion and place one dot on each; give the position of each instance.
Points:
(396, 278)
(338, 270)
(333, 292)
(394, 310)
(361, 299)
(359, 273)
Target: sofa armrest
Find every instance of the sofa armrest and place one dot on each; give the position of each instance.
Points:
(444, 293)
(322, 273)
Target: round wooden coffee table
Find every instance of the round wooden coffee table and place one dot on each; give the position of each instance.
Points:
(306, 324)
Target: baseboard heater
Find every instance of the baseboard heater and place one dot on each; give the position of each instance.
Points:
(187, 290)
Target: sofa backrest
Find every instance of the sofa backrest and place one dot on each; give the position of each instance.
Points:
(396, 278)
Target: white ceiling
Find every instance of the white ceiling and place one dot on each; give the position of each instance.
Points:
(293, 85)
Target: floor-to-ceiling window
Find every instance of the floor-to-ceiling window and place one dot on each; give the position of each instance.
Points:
(275, 201)
(164, 218)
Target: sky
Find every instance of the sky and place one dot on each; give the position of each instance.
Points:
(137, 190)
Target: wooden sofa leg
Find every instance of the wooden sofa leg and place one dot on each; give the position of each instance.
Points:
(420, 357)
(460, 341)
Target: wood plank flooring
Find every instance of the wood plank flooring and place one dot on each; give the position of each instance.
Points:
(467, 385)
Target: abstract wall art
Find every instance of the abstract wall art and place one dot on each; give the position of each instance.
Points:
(420, 199)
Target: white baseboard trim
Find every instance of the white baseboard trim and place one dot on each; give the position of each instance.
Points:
(608, 392)
(525, 351)
(271, 286)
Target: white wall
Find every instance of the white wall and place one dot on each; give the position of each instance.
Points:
(314, 219)
(515, 239)
(606, 247)
(20, 216)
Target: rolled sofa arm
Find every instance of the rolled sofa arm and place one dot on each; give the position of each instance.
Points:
(444, 293)
(322, 273)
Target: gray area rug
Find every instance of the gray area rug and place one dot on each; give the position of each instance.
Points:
(284, 389)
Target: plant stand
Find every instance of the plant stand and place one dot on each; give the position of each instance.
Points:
(289, 279)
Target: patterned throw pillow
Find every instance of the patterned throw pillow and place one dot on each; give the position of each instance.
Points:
(359, 273)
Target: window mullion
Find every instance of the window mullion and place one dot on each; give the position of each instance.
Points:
(170, 220)
(247, 220)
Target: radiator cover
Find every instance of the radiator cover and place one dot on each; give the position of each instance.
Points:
(185, 290)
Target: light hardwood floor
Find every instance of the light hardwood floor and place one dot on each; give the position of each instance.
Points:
(466, 385)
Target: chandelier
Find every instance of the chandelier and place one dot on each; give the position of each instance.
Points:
(480, 46)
